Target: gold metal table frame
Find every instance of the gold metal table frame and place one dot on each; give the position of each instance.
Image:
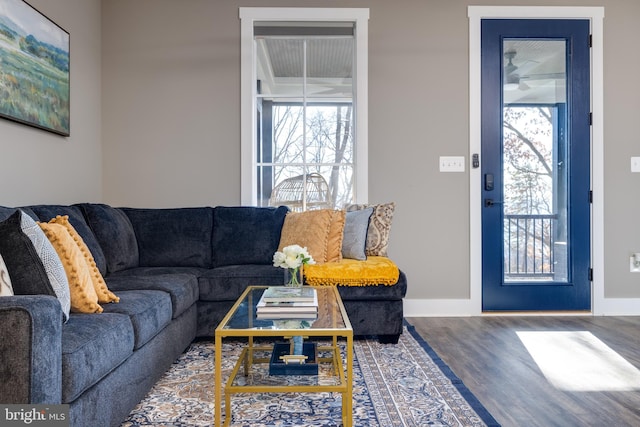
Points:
(240, 321)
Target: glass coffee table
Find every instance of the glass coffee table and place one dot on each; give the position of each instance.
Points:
(251, 371)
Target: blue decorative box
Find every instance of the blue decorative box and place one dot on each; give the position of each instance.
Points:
(277, 366)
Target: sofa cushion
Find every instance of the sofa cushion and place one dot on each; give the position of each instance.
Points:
(92, 346)
(246, 235)
(183, 288)
(28, 276)
(50, 260)
(156, 271)
(47, 212)
(149, 311)
(375, 293)
(228, 282)
(173, 237)
(114, 232)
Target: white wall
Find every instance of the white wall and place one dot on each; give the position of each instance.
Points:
(41, 167)
(171, 100)
(171, 121)
(170, 125)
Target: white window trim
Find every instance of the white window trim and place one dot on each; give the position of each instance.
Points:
(249, 15)
(596, 17)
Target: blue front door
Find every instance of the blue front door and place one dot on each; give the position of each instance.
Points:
(535, 165)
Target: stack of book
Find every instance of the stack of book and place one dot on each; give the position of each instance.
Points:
(279, 302)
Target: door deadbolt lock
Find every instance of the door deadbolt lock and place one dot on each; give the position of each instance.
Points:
(488, 182)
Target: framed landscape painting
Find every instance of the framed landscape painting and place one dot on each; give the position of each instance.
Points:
(34, 68)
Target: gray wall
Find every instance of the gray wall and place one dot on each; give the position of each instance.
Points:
(171, 121)
(38, 166)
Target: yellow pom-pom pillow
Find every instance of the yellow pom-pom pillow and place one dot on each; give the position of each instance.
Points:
(83, 296)
(376, 270)
(104, 294)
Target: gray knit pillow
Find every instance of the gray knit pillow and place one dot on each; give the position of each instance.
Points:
(50, 259)
(355, 234)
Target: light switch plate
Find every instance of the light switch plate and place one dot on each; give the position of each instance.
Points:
(451, 163)
(635, 164)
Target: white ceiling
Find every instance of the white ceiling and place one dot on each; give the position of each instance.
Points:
(541, 71)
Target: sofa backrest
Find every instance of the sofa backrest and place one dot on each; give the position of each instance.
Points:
(179, 237)
(114, 232)
(246, 235)
(123, 238)
(6, 212)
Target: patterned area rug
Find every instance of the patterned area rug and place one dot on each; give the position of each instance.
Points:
(405, 384)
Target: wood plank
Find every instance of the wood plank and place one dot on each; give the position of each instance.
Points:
(486, 353)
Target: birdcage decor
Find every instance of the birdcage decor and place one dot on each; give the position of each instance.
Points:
(292, 191)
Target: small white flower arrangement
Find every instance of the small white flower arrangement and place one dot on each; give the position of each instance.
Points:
(292, 258)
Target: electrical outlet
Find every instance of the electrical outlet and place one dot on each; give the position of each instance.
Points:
(451, 163)
(634, 263)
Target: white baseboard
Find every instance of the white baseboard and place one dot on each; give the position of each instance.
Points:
(440, 308)
(617, 307)
(467, 307)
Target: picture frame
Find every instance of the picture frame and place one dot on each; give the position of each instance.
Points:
(34, 68)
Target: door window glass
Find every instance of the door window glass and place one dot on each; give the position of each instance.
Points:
(535, 163)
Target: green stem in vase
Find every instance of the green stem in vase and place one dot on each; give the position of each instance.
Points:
(293, 277)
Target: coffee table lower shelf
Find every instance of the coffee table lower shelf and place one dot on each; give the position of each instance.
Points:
(251, 375)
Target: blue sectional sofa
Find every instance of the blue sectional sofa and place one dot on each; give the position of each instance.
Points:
(177, 272)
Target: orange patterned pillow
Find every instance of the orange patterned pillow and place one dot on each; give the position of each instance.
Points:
(336, 234)
(83, 296)
(104, 294)
(308, 229)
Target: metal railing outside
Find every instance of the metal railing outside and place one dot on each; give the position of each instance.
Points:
(529, 247)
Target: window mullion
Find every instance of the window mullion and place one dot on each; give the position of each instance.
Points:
(304, 125)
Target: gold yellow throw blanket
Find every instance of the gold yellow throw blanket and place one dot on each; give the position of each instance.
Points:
(376, 270)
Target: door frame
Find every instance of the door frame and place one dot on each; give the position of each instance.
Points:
(596, 16)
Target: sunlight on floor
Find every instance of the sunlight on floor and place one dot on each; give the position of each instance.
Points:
(578, 361)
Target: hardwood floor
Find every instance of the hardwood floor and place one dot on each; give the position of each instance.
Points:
(492, 361)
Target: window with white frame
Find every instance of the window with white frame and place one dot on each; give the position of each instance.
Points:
(304, 113)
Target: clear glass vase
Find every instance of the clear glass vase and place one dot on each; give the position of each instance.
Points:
(293, 277)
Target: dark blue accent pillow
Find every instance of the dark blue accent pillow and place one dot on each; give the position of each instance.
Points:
(114, 232)
(179, 237)
(246, 235)
(27, 273)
